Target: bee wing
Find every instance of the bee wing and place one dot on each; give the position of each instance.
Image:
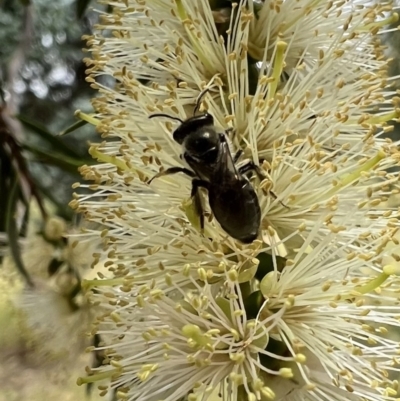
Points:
(226, 160)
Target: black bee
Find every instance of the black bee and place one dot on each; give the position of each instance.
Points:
(232, 198)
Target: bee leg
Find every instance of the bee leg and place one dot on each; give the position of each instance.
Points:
(239, 152)
(250, 166)
(237, 156)
(230, 132)
(173, 170)
(199, 99)
(275, 196)
(198, 203)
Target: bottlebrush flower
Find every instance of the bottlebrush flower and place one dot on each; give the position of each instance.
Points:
(54, 311)
(303, 87)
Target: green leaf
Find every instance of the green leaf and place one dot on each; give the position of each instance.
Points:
(73, 127)
(53, 140)
(261, 334)
(225, 306)
(267, 283)
(275, 347)
(62, 210)
(12, 230)
(81, 6)
(66, 163)
(248, 274)
(25, 222)
(253, 76)
(6, 171)
(267, 264)
(252, 304)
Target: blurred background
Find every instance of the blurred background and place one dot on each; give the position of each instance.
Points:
(45, 313)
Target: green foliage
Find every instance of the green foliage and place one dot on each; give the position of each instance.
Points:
(73, 127)
(54, 141)
(17, 185)
(81, 7)
(11, 228)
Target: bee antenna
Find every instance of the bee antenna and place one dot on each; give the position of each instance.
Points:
(196, 108)
(166, 115)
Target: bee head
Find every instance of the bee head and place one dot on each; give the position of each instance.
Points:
(191, 125)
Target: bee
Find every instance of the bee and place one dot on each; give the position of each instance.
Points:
(205, 149)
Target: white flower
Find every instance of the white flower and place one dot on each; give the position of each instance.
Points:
(314, 161)
(49, 250)
(306, 335)
(54, 311)
(49, 367)
(303, 85)
(57, 324)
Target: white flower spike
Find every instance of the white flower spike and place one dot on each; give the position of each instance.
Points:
(303, 312)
